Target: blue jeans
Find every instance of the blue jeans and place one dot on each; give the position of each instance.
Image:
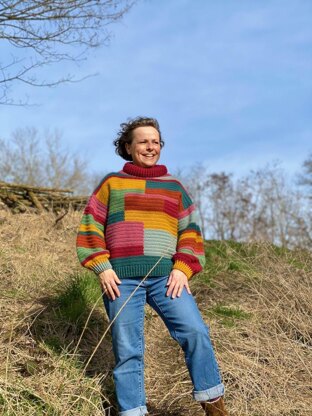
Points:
(186, 326)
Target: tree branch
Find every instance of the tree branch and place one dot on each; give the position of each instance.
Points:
(51, 30)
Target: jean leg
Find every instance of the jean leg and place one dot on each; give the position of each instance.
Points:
(185, 324)
(128, 346)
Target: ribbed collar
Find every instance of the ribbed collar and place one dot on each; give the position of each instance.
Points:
(153, 172)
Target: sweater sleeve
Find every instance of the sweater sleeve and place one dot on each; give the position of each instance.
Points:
(190, 255)
(91, 246)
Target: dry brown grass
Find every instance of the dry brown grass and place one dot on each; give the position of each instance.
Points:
(259, 312)
(35, 258)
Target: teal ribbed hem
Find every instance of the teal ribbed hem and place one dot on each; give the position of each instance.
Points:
(134, 269)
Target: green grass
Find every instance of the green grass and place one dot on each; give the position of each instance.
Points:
(26, 401)
(54, 343)
(232, 257)
(280, 251)
(20, 249)
(228, 315)
(40, 406)
(291, 257)
(231, 312)
(76, 307)
(297, 264)
(227, 256)
(79, 296)
(14, 294)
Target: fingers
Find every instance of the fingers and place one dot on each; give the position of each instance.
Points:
(109, 281)
(116, 278)
(188, 288)
(169, 280)
(175, 289)
(176, 282)
(111, 290)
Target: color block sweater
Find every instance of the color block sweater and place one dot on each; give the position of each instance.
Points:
(135, 217)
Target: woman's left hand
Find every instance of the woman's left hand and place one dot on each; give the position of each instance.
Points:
(177, 281)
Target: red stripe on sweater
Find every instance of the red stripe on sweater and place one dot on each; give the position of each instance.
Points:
(126, 251)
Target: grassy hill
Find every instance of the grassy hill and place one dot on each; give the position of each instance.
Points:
(255, 297)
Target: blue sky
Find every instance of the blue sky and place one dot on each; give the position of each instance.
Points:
(229, 81)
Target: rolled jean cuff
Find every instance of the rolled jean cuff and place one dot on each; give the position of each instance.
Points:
(137, 411)
(212, 393)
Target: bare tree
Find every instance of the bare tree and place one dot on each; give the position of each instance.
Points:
(305, 178)
(48, 31)
(63, 169)
(220, 192)
(305, 181)
(43, 161)
(278, 206)
(262, 205)
(20, 159)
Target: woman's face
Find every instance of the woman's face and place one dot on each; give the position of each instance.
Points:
(145, 146)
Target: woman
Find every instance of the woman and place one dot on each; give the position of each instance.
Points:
(141, 221)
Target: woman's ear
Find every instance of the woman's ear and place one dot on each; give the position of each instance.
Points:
(127, 146)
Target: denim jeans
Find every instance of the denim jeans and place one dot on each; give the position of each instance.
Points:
(186, 326)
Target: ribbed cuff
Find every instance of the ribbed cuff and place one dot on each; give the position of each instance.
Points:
(101, 267)
(183, 267)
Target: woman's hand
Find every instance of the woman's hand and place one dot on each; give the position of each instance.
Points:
(177, 281)
(109, 280)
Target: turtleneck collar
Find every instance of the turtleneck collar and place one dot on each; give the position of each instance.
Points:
(153, 172)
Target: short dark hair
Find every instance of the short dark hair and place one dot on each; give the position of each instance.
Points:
(125, 134)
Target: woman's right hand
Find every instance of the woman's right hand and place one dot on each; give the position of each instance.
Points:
(109, 280)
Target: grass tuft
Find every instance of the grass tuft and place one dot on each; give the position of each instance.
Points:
(231, 312)
(228, 315)
(77, 297)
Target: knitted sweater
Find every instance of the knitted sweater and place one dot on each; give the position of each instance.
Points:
(136, 216)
